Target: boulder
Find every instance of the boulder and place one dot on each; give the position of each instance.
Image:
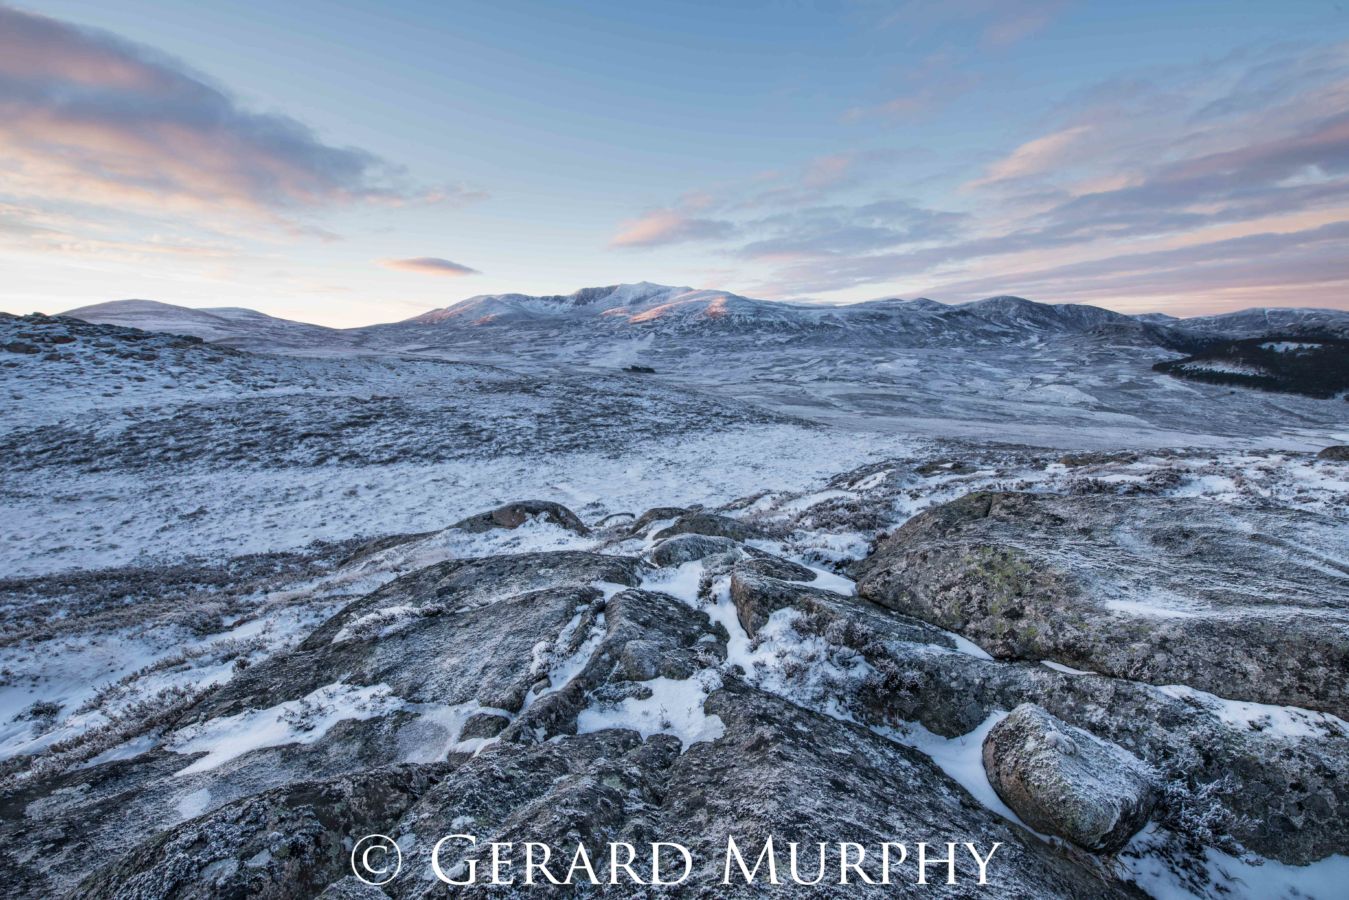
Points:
(1064, 781)
(1335, 453)
(513, 515)
(1165, 590)
(684, 548)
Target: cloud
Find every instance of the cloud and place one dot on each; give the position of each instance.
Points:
(1305, 267)
(663, 227)
(994, 23)
(781, 213)
(430, 265)
(1018, 21)
(1222, 179)
(935, 80)
(87, 117)
(1038, 157)
(841, 230)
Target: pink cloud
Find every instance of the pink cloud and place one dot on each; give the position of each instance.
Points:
(90, 118)
(1044, 155)
(667, 226)
(430, 265)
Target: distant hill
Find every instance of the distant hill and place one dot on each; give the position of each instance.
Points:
(226, 325)
(645, 311)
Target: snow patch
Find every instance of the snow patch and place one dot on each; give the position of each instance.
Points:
(303, 721)
(1285, 721)
(673, 707)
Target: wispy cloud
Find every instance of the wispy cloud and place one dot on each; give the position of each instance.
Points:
(1045, 154)
(995, 23)
(90, 119)
(843, 230)
(430, 265)
(662, 227)
(1225, 174)
(745, 211)
(933, 81)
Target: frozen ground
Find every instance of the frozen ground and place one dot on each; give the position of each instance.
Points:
(176, 514)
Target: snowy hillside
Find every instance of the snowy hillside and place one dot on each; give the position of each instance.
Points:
(467, 568)
(247, 592)
(652, 309)
(228, 326)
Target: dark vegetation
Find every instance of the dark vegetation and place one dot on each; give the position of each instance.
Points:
(1319, 367)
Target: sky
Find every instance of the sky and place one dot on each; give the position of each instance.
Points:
(360, 162)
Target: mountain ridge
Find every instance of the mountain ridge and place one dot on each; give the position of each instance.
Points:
(644, 308)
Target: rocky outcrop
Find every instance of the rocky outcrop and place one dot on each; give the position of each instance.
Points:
(1064, 781)
(513, 515)
(1335, 453)
(561, 696)
(1282, 796)
(712, 525)
(1163, 590)
(764, 776)
(287, 842)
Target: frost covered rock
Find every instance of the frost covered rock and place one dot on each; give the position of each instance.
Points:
(286, 842)
(483, 725)
(1270, 775)
(654, 515)
(775, 567)
(1165, 590)
(1335, 453)
(684, 548)
(352, 888)
(513, 515)
(1064, 781)
(710, 524)
(757, 596)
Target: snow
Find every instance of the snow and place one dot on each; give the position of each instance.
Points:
(436, 733)
(378, 624)
(93, 678)
(1284, 721)
(126, 750)
(303, 721)
(564, 670)
(673, 707)
(1289, 346)
(967, 646)
(1066, 670)
(680, 582)
(1231, 878)
(194, 804)
(961, 758)
(831, 581)
(277, 509)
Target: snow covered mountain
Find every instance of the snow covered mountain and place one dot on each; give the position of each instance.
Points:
(226, 325)
(657, 312)
(652, 309)
(1249, 323)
